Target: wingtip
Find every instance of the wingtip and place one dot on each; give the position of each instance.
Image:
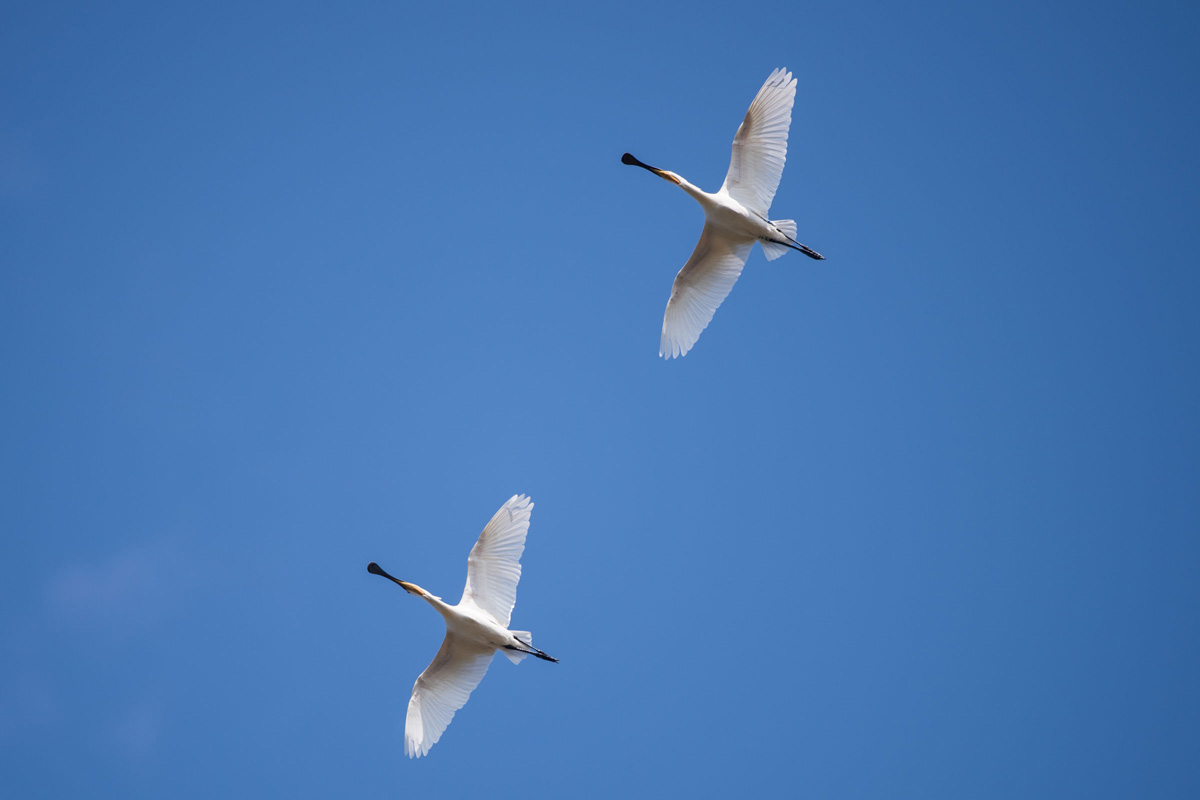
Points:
(780, 76)
(518, 501)
(668, 349)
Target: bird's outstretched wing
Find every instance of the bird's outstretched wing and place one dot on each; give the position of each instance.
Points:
(700, 288)
(760, 146)
(442, 689)
(494, 566)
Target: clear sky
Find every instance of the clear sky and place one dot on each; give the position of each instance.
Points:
(291, 288)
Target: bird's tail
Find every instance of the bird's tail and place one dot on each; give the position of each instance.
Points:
(773, 250)
(525, 638)
(517, 656)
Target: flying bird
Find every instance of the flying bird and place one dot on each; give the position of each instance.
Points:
(735, 216)
(475, 628)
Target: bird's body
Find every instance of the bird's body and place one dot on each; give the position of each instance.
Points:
(475, 628)
(735, 216)
(470, 623)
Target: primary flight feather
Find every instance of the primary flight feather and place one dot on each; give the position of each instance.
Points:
(735, 216)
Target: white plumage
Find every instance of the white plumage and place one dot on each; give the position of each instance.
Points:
(735, 216)
(475, 628)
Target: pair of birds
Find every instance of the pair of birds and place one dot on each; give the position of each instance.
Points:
(735, 217)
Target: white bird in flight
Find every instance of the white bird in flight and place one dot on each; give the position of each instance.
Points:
(735, 217)
(475, 628)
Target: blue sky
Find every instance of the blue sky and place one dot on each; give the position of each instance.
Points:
(292, 288)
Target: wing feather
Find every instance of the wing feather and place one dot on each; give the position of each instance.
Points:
(700, 288)
(494, 566)
(441, 690)
(760, 145)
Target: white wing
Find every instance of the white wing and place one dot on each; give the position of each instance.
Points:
(442, 689)
(494, 566)
(760, 145)
(700, 287)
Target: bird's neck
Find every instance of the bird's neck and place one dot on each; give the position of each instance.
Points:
(435, 601)
(695, 191)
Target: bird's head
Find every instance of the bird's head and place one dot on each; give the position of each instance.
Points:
(411, 588)
(665, 174)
